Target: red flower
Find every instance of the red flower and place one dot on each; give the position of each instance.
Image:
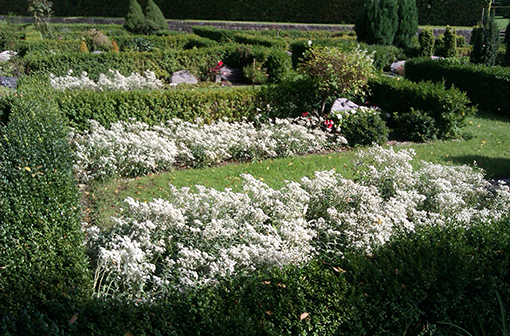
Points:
(305, 114)
(329, 123)
(220, 63)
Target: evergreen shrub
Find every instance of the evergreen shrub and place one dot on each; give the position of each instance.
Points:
(427, 42)
(447, 107)
(486, 86)
(377, 22)
(134, 20)
(485, 40)
(407, 23)
(41, 242)
(450, 42)
(154, 19)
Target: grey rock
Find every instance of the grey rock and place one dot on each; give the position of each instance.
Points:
(343, 104)
(231, 74)
(7, 55)
(10, 82)
(398, 67)
(183, 77)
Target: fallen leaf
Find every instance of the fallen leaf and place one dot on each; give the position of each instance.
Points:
(73, 318)
(303, 316)
(266, 282)
(269, 312)
(27, 169)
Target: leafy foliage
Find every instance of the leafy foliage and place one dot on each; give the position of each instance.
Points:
(337, 73)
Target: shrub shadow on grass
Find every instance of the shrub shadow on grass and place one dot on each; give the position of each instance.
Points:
(495, 168)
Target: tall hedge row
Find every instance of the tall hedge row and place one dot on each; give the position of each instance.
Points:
(430, 12)
(42, 259)
(486, 86)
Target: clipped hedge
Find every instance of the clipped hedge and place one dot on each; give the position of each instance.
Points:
(488, 87)
(163, 63)
(227, 35)
(411, 285)
(41, 242)
(448, 108)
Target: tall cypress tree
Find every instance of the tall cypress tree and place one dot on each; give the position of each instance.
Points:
(407, 23)
(154, 18)
(378, 22)
(485, 41)
(134, 21)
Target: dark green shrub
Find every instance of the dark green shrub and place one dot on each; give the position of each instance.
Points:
(407, 23)
(279, 65)
(216, 34)
(450, 42)
(427, 42)
(139, 44)
(265, 41)
(486, 86)
(377, 23)
(413, 125)
(448, 107)
(485, 40)
(41, 243)
(154, 19)
(365, 127)
(134, 20)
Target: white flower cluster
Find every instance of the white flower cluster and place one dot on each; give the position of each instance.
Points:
(113, 81)
(134, 149)
(192, 238)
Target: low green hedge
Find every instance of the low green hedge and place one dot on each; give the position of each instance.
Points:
(244, 37)
(413, 285)
(42, 258)
(488, 87)
(421, 103)
(163, 63)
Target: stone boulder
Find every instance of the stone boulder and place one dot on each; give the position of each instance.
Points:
(183, 77)
(10, 82)
(343, 104)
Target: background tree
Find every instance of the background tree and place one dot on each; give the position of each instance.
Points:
(450, 42)
(154, 18)
(407, 23)
(485, 39)
(335, 72)
(41, 12)
(377, 22)
(135, 20)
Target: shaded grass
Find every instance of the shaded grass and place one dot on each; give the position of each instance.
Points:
(488, 143)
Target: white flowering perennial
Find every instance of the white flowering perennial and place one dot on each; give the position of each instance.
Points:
(113, 81)
(134, 149)
(192, 238)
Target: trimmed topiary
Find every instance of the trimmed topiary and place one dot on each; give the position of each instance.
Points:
(134, 21)
(427, 41)
(377, 23)
(450, 42)
(407, 23)
(154, 18)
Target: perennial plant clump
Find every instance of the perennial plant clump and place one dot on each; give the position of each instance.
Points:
(191, 239)
(113, 81)
(135, 149)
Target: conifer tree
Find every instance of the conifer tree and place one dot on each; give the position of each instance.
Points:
(450, 42)
(154, 18)
(485, 41)
(407, 23)
(427, 42)
(507, 44)
(378, 22)
(134, 21)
